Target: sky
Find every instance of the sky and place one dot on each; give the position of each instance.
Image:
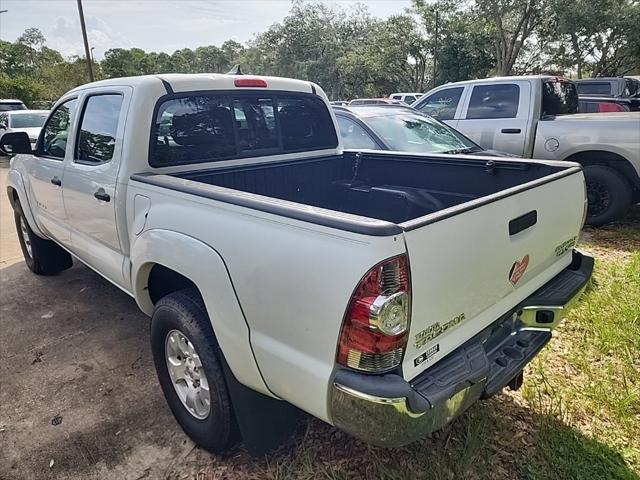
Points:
(155, 25)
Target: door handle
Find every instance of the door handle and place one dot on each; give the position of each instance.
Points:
(102, 195)
(511, 130)
(56, 181)
(518, 224)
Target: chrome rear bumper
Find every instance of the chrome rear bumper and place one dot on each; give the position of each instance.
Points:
(388, 411)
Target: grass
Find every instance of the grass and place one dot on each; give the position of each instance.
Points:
(576, 417)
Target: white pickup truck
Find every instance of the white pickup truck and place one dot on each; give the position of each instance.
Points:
(536, 117)
(380, 292)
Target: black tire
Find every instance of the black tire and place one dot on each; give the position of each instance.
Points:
(185, 312)
(609, 195)
(43, 257)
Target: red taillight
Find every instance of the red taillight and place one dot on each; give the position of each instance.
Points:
(250, 82)
(610, 107)
(376, 325)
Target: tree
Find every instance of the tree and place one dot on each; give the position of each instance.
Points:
(513, 22)
(600, 36)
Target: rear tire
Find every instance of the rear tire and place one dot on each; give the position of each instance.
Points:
(608, 193)
(181, 318)
(43, 257)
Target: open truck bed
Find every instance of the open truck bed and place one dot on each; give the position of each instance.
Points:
(392, 188)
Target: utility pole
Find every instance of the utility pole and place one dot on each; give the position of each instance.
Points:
(435, 47)
(86, 41)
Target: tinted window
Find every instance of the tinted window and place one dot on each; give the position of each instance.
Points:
(409, 99)
(588, 107)
(208, 128)
(559, 98)
(442, 104)
(353, 135)
(594, 88)
(28, 120)
(305, 124)
(8, 106)
(631, 87)
(494, 101)
(397, 97)
(194, 129)
(256, 123)
(56, 131)
(98, 128)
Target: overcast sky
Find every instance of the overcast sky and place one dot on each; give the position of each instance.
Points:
(155, 25)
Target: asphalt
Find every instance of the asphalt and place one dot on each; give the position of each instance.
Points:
(79, 397)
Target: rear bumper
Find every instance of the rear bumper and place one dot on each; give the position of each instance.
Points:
(387, 410)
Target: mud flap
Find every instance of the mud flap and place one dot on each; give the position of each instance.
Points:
(264, 422)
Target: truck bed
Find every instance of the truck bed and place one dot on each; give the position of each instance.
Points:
(386, 186)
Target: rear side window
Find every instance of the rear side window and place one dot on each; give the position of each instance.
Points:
(631, 87)
(559, 98)
(494, 101)
(206, 128)
(409, 99)
(443, 104)
(594, 88)
(98, 128)
(353, 135)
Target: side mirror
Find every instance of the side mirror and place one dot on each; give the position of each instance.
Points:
(14, 143)
(3, 126)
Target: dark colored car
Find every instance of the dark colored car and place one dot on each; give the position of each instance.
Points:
(621, 90)
(401, 128)
(590, 105)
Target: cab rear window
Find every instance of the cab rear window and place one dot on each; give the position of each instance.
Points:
(594, 88)
(208, 128)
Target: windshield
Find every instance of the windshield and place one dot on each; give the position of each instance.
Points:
(28, 120)
(413, 132)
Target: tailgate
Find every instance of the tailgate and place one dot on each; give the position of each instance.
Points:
(467, 270)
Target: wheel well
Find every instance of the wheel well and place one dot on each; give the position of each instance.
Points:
(608, 159)
(163, 281)
(13, 196)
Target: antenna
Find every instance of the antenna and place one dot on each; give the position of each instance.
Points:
(235, 70)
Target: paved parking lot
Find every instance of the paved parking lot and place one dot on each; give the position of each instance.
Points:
(77, 383)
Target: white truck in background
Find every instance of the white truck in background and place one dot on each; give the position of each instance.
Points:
(536, 117)
(381, 292)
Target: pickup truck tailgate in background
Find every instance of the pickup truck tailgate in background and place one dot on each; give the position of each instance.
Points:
(469, 269)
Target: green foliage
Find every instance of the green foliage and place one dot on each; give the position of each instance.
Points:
(351, 54)
(23, 88)
(600, 37)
